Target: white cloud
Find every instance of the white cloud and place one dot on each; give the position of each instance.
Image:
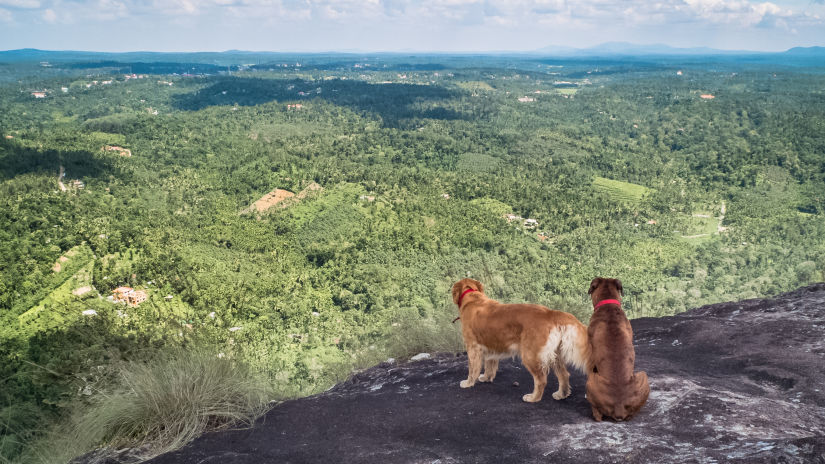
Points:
(175, 7)
(104, 10)
(733, 11)
(636, 13)
(461, 12)
(439, 24)
(49, 15)
(20, 3)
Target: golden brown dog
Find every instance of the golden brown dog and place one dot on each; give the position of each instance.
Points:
(613, 390)
(544, 339)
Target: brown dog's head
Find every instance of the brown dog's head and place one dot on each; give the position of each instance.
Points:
(462, 285)
(605, 289)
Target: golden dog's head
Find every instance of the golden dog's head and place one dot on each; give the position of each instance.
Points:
(605, 289)
(462, 285)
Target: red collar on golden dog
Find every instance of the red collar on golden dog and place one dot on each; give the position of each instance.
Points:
(462, 295)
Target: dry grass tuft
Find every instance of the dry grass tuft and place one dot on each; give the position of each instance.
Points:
(160, 406)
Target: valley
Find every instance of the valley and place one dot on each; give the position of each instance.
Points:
(306, 215)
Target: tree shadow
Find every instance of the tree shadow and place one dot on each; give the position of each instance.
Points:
(154, 67)
(16, 160)
(351, 65)
(391, 102)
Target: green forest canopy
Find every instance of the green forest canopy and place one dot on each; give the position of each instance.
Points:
(428, 169)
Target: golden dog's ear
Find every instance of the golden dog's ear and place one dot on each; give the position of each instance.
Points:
(457, 289)
(462, 285)
(619, 286)
(594, 284)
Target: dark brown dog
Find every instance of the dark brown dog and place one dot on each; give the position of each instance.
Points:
(613, 390)
(544, 339)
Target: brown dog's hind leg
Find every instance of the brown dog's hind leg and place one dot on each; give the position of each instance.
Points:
(474, 359)
(594, 394)
(639, 398)
(596, 414)
(490, 368)
(564, 379)
(539, 372)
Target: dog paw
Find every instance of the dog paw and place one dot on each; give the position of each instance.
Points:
(484, 378)
(466, 384)
(559, 395)
(530, 398)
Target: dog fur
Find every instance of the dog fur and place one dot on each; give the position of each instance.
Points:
(613, 390)
(544, 339)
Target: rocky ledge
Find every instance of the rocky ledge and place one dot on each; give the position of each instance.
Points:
(730, 382)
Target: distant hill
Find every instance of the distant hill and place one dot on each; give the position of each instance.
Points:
(807, 52)
(229, 57)
(797, 56)
(630, 49)
(214, 58)
(33, 54)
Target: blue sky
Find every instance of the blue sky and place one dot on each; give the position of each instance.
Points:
(402, 25)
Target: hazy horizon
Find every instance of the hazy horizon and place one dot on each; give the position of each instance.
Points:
(438, 26)
(545, 49)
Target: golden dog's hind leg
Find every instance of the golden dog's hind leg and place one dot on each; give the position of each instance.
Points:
(474, 360)
(539, 372)
(564, 379)
(490, 368)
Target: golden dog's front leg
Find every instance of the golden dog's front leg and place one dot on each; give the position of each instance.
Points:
(474, 360)
(490, 368)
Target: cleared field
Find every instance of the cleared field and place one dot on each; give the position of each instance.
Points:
(279, 197)
(566, 91)
(50, 312)
(475, 85)
(494, 206)
(269, 200)
(700, 227)
(477, 162)
(620, 191)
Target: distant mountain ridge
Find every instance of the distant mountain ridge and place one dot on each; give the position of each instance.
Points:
(604, 49)
(806, 51)
(631, 49)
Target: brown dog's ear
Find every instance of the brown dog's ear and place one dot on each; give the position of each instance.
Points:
(594, 284)
(619, 286)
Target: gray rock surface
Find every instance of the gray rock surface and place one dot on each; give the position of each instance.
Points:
(731, 382)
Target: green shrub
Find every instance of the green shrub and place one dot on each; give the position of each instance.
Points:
(411, 334)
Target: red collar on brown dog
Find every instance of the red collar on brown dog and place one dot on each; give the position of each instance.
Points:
(606, 302)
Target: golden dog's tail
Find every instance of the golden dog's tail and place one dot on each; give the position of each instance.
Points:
(572, 345)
